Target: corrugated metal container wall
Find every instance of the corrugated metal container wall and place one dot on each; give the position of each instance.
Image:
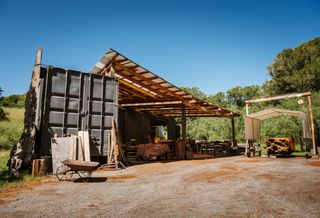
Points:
(73, 101)
(133, 125)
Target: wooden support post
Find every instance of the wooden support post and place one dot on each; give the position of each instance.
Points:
(172, 129)
(184, 126)
(184, 122)
(312, 126)
(247, 142)
(234, 142)
(22, 152)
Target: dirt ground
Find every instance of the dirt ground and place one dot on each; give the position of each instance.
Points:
(225, 187)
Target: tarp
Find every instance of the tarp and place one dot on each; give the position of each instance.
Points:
(252, 121)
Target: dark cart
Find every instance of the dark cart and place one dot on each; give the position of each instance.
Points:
(69, 167)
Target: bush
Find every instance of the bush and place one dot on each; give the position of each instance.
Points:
(3, 115)
(13, 101)
(11, 129)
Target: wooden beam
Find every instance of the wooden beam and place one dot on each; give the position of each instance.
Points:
(136, 88)
(121, 94)
(156, 91)
(22, 153)
(196, 115)
(191, 102)
(132, 92)
(151, 103)
(184, 127)
(148, 80)
(196, 110)
(170, 108)
(279, 97)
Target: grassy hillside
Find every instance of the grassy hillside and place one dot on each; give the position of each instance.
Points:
(11, 129)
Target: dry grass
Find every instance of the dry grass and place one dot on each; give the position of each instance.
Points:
(4, 157)
(28, 182)
(11, 129)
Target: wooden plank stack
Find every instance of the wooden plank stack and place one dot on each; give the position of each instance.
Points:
(115, 153)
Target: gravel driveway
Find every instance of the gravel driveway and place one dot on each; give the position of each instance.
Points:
(225, 187)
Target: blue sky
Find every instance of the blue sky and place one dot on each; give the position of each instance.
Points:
(214, 45)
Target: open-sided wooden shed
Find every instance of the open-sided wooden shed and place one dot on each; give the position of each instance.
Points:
(148, 95)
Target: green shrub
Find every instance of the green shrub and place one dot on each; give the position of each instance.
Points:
(13, 101)
(11, 129)
(3, 115)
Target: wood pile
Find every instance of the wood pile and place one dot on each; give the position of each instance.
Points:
(150, 151)
(280, 146)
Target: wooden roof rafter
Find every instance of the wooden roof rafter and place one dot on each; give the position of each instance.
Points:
(148, 80)
(138, 84)
(135, 88)
(151, 93)
(134, 93)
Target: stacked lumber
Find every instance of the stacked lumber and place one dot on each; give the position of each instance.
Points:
(115, 152)
(74, 147)
(280, 146)
(150, 151)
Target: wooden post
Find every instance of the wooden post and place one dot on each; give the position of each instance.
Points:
(247, 142)
(312, 126)
(234, 142)
(184, 126)
(171, 129)
(247, 109)
(22, 152)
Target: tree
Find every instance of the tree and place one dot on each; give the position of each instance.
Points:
(3, 115)
(196, 92)
(296, 69)
(218, 99)
(238, 95)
